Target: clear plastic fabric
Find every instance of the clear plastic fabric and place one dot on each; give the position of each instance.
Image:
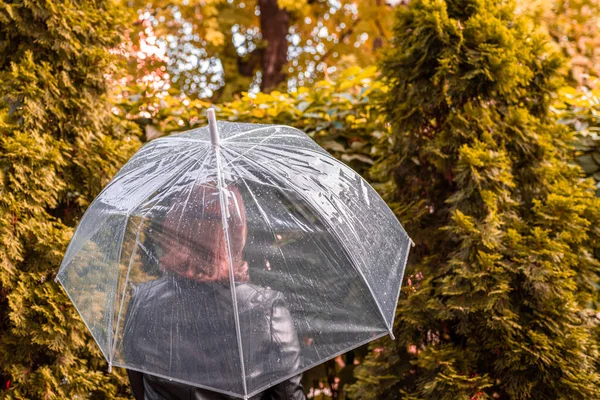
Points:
(237, 266)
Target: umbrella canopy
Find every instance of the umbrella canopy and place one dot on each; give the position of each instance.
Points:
(234, 256)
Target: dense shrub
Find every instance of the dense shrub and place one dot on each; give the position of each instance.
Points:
(497, 295)
(59, 144)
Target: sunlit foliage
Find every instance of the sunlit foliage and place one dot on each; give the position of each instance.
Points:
(499, 292)
(342, 115)
(214, 48)
(575, 26)
(579, 109)
(59, 145)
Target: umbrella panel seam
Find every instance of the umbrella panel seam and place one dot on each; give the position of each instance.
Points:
(334, 231)
(137, 236)
(223, 206)
(116, 287)
(408, 247)
(320, 361)
(124, 365)
(137, 244)
(83, 319)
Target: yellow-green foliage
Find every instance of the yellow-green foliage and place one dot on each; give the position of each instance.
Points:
(500, 286)
(342, 115)
(325, 34)
(579, 109)
(573, 24)
(59, 144)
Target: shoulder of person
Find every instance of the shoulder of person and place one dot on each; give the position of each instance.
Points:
(248, 292)
(147, 289)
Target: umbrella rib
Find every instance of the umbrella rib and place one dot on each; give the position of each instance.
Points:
(133, 251)
(355, 264)
(230, 263)
(285, 146)
(228, 139)
(266, 219)
(151, 178)
(331, 158)
(326, 155)
(99, 196)
(110, 322)
(179, 169)
(253, 145)
(137, 239)
(181, 138)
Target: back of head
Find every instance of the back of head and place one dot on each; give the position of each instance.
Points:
(204, 234)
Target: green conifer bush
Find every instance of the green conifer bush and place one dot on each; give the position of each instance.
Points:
(497, 298)
(59, 144)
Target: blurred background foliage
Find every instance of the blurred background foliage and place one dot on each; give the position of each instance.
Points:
(575, 28)
(579, 109)
(342, 115)
(219, 48)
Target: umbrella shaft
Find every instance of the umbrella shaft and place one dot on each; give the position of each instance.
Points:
(212, 127)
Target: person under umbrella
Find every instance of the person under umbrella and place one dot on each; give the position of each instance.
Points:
(183, 323)
(145, 268)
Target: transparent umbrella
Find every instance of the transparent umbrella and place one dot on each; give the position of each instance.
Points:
(234, 256)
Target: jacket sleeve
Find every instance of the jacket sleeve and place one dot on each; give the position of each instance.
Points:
(287, 347)
(129, 331)
(136, 380)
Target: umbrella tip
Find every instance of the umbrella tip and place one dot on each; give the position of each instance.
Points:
(212, 126)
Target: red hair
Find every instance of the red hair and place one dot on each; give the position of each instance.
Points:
(195, 242)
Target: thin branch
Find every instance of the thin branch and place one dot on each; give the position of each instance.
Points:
(343, 36)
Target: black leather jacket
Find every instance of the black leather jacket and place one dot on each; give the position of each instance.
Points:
(184, 329)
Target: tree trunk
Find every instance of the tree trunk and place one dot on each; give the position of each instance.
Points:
(274, 24)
